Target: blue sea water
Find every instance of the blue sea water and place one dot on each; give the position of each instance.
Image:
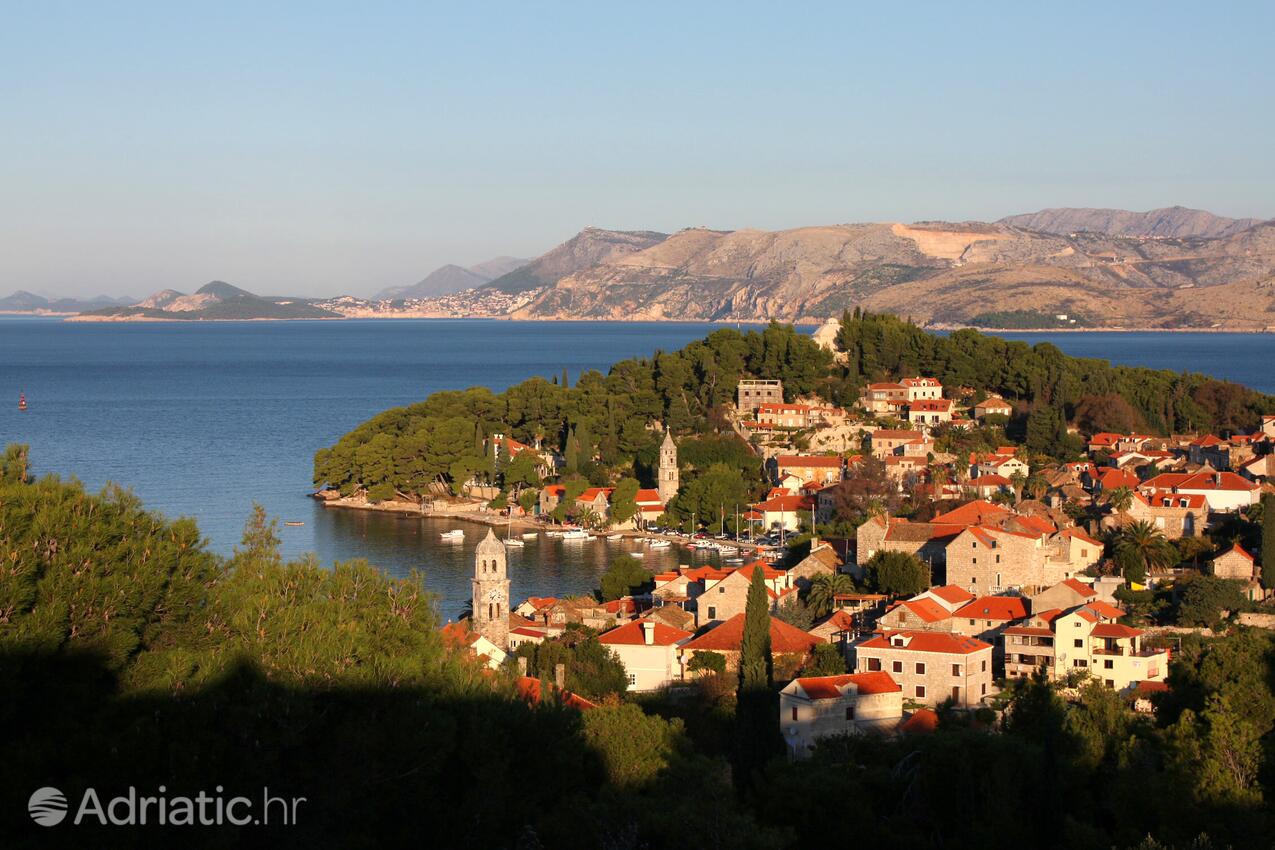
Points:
(204, 419)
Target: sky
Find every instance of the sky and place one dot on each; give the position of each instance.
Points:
(325, 148)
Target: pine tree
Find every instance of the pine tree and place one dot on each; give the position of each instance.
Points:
(1268, 541)
(756, 712)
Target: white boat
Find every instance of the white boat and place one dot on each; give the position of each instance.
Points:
(637, 554)
(514, 542)
(615, 537)
(657, 544)
(454, 534)
(575, 534)
(530, 535)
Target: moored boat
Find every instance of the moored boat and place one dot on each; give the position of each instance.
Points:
(22, 401)
(454, 534)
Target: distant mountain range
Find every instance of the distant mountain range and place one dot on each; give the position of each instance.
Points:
(452, 278)
(216, 301)
(1066, 271)
(28, 302)
(1173, 268)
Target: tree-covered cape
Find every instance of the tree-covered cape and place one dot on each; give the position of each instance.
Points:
(603, 424)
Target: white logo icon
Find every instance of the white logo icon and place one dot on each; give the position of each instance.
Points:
(47, 807)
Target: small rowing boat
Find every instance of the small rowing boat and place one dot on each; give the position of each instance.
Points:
(454, 534)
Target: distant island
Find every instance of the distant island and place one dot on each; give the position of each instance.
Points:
(1073, 269)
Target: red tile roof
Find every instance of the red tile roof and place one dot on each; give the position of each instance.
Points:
(951, 593)
(632, 634)
(1199, 481)
(922, 722)
(728, 636)
(1114, 630)
(1080, 587)
(977, 512)
(927, 609)
(1239, 551)
(529, 690)
(811, 461)
(1106, 609)
(938, 642)
(994, 608)
(829, 687)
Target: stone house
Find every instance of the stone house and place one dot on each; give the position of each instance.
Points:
(931, 667)
(811, 708)
(926, 540)
(1235, 563)
(753, 394)
(889, 441)
(917, 614)
(922, 389)
(930, 412)
(810, 468)
(1177, 515)
(992, 406)
(884, 398)
(1223, 491)
(784, 415)
(987, 618)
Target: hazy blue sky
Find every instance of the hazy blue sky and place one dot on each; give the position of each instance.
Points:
(332, 147)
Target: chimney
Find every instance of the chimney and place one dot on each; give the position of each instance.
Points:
(814, 542)
(1217, 478)
(560, 676)
(522, 665)
(648, 632)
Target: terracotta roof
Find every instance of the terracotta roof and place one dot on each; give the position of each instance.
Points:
(811, 461)
(728, 636)
(632, 634)
(1114, 630)
(921, 531)
(1199, 481)
(922, 722)
(951, 593)
(1080, 587)
(1035, 523)
(1106, 609)
(529, 690)
(829, 687)
(1079, 534)
(974, 513)
(994, 608)
(931, 404)
(1153, 687)
(783, 504)
(990, 480)
(938, 642)
(927, 609)
(593, 492)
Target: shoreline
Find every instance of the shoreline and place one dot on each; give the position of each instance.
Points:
(800, 322)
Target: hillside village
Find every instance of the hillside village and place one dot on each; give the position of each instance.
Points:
(1003, 567)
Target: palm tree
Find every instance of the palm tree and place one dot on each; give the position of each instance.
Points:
(1036, 486)
(1120, 499)
(823, 588)
(1142, 548)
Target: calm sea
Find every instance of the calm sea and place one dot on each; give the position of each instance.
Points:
(204, 419)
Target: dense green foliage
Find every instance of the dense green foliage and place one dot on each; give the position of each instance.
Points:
(880, 346)
(756, 730)
(896, 574)
(129, 655)
(1268, 541)
(625, 577)
(602, 422)
(1204, 599)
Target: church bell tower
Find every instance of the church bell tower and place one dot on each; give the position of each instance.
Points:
(668, 478)
(491, 591)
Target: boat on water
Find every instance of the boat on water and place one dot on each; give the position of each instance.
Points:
(657, 544)
(514, 542)
(454, 534)
(615, 537)
(575, 534)
(294, 522)
(530, 535)
(22, 401)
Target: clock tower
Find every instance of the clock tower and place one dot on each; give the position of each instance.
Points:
(491, 591)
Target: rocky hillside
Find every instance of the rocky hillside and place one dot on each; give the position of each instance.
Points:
(1169, 223)
(28, 302)
(216, 301)
(972, 273)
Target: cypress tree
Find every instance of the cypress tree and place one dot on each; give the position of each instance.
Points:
(756, 714)
(1268, 541)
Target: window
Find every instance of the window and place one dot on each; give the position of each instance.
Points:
(849, 712)
(984, 667)
(956, 669)
(721, 590)
(984, 689)
(712, 613)
(897, 666)
(956, 694)
(920, 669)
(973, 560)
(971, 622)
(973, 545)
(1079, 643)
(794, 714)
(1111, 683)
(998, 578)
(633, 678)
(1108, 664)
(920, 691)
(874, 665)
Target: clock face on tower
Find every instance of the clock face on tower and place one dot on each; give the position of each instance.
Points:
(493, 595)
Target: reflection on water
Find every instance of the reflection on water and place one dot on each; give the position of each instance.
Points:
(545, 566)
